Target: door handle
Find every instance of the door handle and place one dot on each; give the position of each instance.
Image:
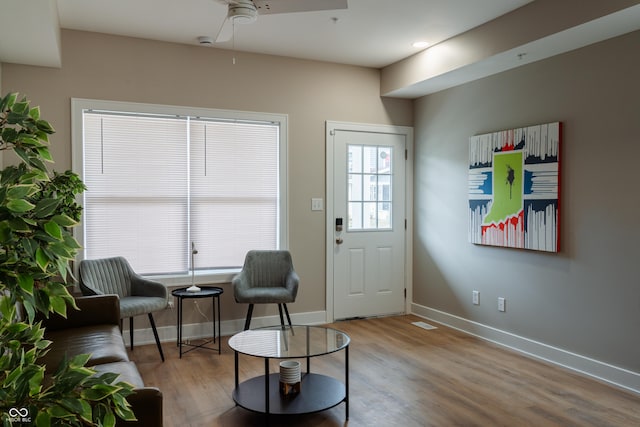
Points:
(339, 241)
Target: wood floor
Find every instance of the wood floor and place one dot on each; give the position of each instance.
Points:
(400, 375)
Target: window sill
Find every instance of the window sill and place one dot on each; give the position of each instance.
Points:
(207, 277)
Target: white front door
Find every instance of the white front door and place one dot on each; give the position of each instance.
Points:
(368, 222)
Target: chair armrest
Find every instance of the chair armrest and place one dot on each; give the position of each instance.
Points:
(88, 289)
(239, 283)
(147, 288)
(93, 310)
(292, 282)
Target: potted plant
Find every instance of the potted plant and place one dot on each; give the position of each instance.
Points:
(37, 211)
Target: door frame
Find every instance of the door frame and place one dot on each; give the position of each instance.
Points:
(407, 132)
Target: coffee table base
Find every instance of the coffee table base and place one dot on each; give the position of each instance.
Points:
(318, 393)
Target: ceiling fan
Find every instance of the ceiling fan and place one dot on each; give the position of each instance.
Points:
(247, 11)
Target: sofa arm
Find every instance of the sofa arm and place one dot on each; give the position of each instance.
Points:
(93, 310)
(146, 403)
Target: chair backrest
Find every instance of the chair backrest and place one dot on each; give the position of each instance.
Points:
(267, 268)
(106, 276)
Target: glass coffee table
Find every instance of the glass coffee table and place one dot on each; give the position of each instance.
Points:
(317, 392)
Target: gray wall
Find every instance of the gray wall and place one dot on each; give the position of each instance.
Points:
(586, 299)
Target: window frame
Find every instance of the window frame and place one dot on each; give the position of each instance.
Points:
(79, 105)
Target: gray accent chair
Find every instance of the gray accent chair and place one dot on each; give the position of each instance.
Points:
(267, 277)
(137, 295)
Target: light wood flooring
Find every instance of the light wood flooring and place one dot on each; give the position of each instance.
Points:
(400, 375)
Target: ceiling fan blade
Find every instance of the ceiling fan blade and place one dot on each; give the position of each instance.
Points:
(226, 31)
(269, 7)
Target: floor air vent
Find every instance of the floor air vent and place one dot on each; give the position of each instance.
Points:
(424, 325)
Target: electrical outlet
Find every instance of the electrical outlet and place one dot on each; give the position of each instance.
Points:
(502, 304)
(476, 297)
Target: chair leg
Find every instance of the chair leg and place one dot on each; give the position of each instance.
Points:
(281, 318)
(155, 334)
(287, 313)
(131, 331)
(247, 321)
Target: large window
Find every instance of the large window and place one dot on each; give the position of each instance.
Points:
(161, 179)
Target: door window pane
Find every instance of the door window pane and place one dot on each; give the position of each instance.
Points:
(369, 188)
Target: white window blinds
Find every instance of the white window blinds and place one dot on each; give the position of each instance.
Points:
(157, 183)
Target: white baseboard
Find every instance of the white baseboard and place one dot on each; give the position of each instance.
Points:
(227, 327)
(602, 371)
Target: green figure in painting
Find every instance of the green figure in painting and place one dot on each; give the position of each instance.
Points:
(507, 190)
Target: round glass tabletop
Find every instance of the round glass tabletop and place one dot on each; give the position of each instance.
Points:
(291, 342)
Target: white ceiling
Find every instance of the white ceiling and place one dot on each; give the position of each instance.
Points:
(371, 33)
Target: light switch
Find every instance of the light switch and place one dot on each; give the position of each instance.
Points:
(316, 204)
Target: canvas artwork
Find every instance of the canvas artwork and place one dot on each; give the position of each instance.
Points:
(514, 180)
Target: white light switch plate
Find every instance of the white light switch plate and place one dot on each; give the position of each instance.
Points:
(316, 204)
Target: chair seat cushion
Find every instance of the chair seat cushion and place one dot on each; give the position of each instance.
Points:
(264, 295)
(103, 342)
(134, 306)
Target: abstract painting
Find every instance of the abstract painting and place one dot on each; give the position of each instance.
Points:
(514, 188)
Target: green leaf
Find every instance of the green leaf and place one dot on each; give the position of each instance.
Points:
(42, 344)
(8, 101)
(44, 126)
(29, 245)
(109, 420)
(45, 154)
(22, 154)
(35, 382)
(58, 289)
(46, 207)
(30, 309)
(37, 163)
(58, 305)
(34, 176)
(34, 113)
(53, 229)
(78, 406)
(26, 283)
(20, 206)
(9, 135)
(79, 360)
(21, 191)
(21, 107)
(71, 242)
(98, 392)
(64, 220)
(125, 412)
(43, 419)
(41, 259)
(57, 411)
(108, 377)
(29, 141)
(20, 225)
(5, 232)
(7, 308)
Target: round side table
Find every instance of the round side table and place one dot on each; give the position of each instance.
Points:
(212, 292)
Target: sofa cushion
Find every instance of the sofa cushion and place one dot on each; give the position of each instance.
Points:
(103, 342)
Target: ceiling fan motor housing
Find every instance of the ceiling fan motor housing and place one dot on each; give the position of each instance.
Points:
(244, 12)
